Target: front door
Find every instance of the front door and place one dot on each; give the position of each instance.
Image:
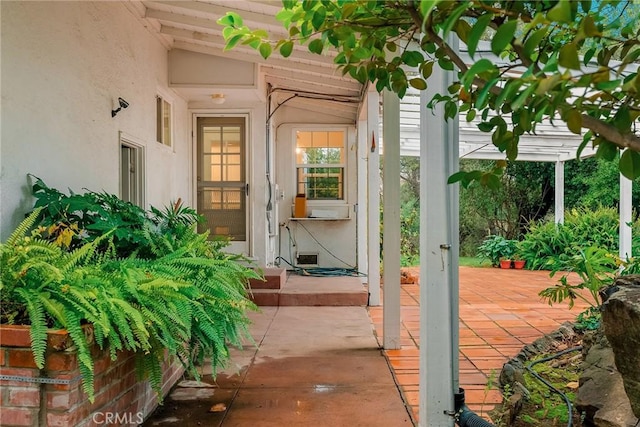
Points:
(221, 178)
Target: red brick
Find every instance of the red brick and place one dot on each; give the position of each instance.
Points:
(17, 416)
(19, 358)
(102, 364)
(2, 356)
(24, 397)
(17, 372)
(61, 361)
(15, 336)
(63, 400)
(68, 375)
(61, 420)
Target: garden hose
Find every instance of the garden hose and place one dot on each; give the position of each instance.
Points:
(551, 387)
(323, 271)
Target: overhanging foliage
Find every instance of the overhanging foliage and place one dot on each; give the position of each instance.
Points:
(573, 61)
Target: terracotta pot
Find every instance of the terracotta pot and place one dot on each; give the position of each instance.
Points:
(519, 264)
(505, 263)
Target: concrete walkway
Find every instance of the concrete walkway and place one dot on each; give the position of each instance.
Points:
(313, 366)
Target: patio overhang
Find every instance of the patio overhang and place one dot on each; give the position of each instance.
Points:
(304, 80)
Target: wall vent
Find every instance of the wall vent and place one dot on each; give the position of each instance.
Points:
(307, 259)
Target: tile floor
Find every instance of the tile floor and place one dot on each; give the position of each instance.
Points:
(500, 312)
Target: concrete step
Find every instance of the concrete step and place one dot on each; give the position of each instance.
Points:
(314, 291)
(274, 279)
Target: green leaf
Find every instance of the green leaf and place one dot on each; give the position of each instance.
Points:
(561, 12)
(412, 58)
(233, 41)
(471, 114)
(286, 49)
(574, 121)
(608, 85)
(361, 53)
(418, 83)
(231, 19)
(479, 67)
(476, 33)
(426, 6)
(484, 93)
(426, 68)
(503, 36)
(453, 18)
(316, 46)
(486, 126)
(533, 41)
(589, 27)
(445, 64)
(607, 150)
(265, 50)
(568, 57)
(456, 177)
(319, 17)
(630, 164)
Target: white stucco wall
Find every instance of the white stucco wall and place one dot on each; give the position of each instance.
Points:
(334, 241)
(64, 64)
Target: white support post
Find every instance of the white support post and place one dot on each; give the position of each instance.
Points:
(438, 259)
(559, 195)
(626, 187)
(391, 220)
(361, 212)
(373, 197)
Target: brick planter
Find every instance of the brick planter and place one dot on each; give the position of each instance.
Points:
(120, 399)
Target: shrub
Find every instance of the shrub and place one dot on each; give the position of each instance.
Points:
(550, 246)
(185, 296)
(496, 247)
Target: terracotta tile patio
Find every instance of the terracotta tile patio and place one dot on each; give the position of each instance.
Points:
(500, 312)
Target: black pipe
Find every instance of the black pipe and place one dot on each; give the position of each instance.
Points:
(548, 384)
(465, 417)
(469, 418)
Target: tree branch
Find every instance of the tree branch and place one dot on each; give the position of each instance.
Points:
(611, 134)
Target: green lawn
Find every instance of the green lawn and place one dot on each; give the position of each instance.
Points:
(466, 261)
(474, 262)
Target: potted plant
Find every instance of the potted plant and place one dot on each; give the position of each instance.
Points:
(518, 261)
(505, 263)
(497, 248)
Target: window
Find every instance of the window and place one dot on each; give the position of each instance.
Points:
(163, 121)
(131, 172)
(320, 164)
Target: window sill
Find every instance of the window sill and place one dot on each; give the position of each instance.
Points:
(319, 219)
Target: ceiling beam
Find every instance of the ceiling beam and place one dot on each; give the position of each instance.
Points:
(218, 41)
(339, 82)
(254, 57)
(217, 11)
(308, 86)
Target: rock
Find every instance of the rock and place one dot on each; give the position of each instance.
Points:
(621, 320)
(601, 395)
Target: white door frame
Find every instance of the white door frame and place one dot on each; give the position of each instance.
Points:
(243, 248)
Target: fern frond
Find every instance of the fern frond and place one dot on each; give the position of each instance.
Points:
(84, 355)
(38, 331)
(22, 229)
